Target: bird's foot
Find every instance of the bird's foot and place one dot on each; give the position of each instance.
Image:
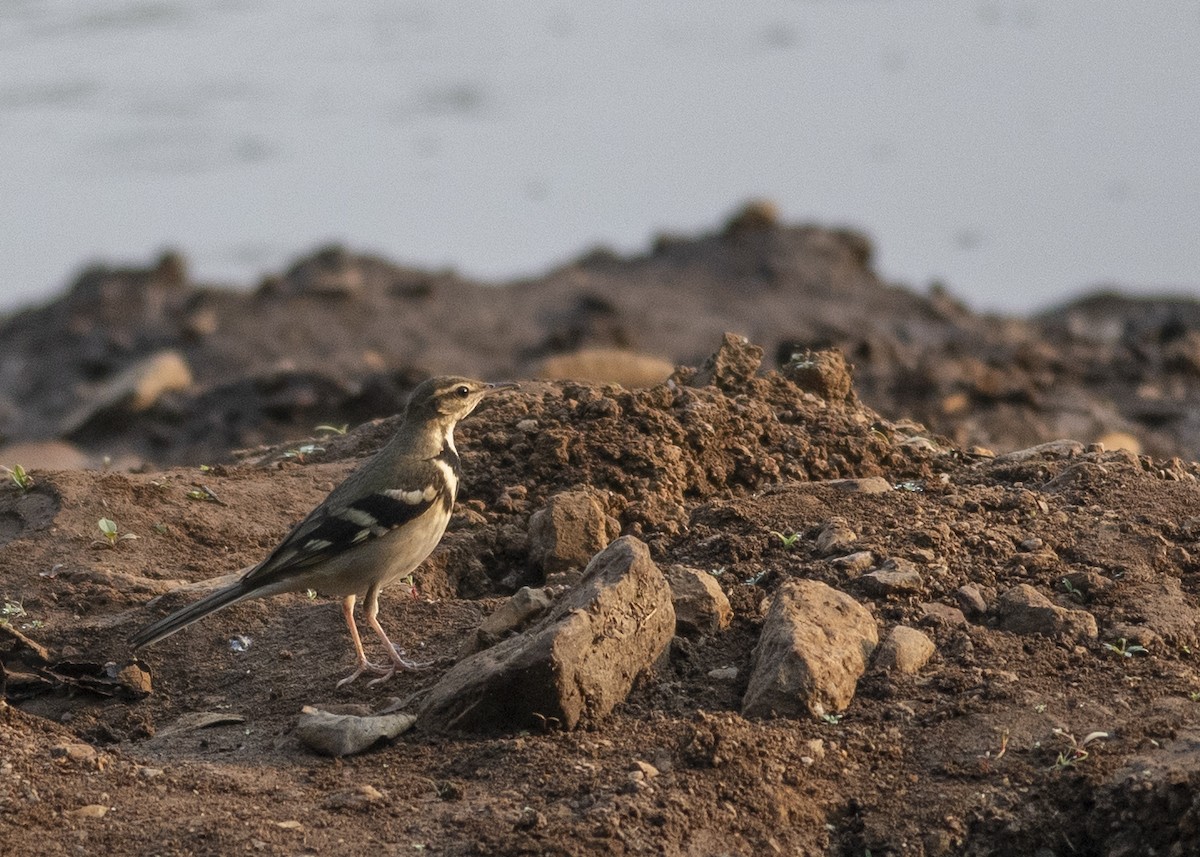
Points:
(403, 664)
(399, 664)
(365, 666)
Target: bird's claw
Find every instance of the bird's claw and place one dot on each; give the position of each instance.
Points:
(365, 666)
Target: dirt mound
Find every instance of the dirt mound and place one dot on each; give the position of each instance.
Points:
(339, 337)
(1057, 585)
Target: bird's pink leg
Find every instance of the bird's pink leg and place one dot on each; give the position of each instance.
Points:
(362, 664)
(371, 611)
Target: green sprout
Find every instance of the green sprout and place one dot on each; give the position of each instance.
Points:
(832, 719)
(1123, 648)
(338, 430)
(1071, 589)
(788, 541)
(111, 536)
(19, 477)
(1075, 752)
(11, 610)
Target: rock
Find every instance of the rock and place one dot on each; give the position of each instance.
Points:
(607, 366)
(824, 373)
(575, 665)
(44, 455)
(734, 363)
(1136, 635)
(134, 389)
(866, 485)
(905, 650)
(1024, 610)
(755, 215)
(569, 531)
(331, 272)
(894, 577)
(91, 810)
(853, 563)
(524, 606)
(813, 648)
(73, 752)
(345, 734)
(1120, 440)
(936, 613)
(970, 600)
(701, 607)
(723, 674)
(1050, 449)
(835, 537)
(193, 720)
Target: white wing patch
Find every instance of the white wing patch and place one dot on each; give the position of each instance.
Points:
(358, 516)
(317, 544)
(411, 497)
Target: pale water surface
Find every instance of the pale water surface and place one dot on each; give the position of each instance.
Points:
(1019, 151)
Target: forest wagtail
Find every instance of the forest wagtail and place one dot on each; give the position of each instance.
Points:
(373, 529)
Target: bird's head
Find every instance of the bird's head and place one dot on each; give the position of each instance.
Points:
(448, 399)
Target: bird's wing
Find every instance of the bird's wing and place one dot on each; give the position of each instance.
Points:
(337, 526)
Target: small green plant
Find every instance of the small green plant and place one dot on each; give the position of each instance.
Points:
(11, 610)
(1071, 589)
(1075, 752)
(19, 477)
(300, 452)
(1123, 648)
(1194, 695)
(310, 594)
(338, 430)
(110, 535)
(832, 719)
(788, 541)
(1069, 758)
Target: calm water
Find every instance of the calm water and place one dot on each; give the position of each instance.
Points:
(1018, 151)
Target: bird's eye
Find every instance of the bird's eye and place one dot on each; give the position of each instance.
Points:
(462, 392)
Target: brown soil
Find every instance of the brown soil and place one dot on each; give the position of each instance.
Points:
(981, 752)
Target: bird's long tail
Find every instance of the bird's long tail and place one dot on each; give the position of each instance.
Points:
(168, 625)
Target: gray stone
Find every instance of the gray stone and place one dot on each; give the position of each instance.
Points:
(1050, 449)
(866, 485)
(936, 613)
(569, 531)
(970, 600)
(894, 577)
(905, 650)
(524, 606)
(1024, 610)
(835, 537)
(576, 664)
(338, 735)
(814, 646)
(701, 607)
(856, 562)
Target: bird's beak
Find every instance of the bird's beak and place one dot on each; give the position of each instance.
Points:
(502, 385)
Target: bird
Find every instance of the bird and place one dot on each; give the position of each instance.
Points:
(373, 529)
